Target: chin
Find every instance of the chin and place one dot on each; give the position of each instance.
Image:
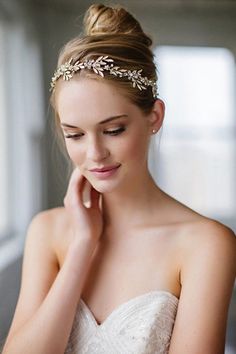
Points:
(104, 186)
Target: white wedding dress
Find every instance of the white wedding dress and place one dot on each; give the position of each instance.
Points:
(141, 325)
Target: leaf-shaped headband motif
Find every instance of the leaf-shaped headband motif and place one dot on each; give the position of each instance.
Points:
(101, 64)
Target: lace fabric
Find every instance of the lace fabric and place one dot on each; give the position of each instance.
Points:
(142, 325)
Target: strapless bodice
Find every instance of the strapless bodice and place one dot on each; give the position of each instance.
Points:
(141, 325)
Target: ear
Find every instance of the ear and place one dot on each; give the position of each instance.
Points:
(156, 116)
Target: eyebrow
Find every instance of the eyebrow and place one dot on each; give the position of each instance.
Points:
(102, 122)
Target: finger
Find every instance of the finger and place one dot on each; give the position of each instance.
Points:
(75, 176)
(87, 194)
(73, 191)
(78, 190)
(95, 195)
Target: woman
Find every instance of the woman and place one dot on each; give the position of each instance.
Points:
(133, 271)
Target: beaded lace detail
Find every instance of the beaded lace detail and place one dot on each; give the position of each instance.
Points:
(141, 325)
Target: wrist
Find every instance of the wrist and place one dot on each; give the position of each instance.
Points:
(79, 256)
(84, 244)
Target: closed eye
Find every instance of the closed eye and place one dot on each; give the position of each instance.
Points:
(115, 131)
(73, 136)
(107, 132)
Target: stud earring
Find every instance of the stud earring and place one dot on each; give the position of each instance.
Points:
(153, 131)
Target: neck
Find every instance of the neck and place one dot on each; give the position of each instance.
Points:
(130, 206)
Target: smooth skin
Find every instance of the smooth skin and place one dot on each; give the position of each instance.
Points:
(133, 232)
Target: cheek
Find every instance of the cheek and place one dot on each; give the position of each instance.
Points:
(136, 147)
(75, 154)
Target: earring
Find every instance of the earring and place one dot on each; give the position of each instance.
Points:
(153, 131)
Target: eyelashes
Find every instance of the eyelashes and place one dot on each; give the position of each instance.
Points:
(108, 132)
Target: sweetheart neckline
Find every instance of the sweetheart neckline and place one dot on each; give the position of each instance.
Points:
(125, 303)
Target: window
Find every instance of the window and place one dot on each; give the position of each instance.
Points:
(197, 149)
(3, 147)
(22, 126)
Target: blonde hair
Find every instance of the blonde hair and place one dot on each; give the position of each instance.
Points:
(114, 32)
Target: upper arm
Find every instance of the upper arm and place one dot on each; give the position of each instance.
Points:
(38, 271)
(207, 279)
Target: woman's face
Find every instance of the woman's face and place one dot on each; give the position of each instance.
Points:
(103, 130)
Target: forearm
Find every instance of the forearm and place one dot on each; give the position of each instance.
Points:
(47, 331)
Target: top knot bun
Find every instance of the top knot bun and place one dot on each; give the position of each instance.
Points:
(100, 19)
(114, 33)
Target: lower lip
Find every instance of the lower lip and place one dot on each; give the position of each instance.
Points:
(105, 174)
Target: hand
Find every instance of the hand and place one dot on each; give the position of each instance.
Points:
(85, 221)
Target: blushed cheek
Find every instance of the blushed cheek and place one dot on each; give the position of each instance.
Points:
(75, 155)
(137, 148)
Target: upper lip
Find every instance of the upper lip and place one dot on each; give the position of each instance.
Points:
(105, 168)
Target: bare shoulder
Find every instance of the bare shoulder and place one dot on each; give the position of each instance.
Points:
(197, 231)
(55, 225)
(50, 217)
(207, 235)
(208, 249)
(40, 265)
(43, 235)
(49, 221)
(208, 270)
(200, 239)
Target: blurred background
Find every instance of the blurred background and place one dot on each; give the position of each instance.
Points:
(194, 159)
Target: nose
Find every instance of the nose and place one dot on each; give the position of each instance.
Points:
(96, 150)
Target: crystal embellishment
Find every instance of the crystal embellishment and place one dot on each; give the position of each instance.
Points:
(99, 65)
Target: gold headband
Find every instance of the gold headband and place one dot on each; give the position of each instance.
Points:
(101, 64)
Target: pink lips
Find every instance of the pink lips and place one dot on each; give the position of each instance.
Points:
(104, 172)
(106, 168)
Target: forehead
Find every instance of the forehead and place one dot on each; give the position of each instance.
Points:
(88, 99)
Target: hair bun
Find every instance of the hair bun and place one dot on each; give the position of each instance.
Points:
(100, 19)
